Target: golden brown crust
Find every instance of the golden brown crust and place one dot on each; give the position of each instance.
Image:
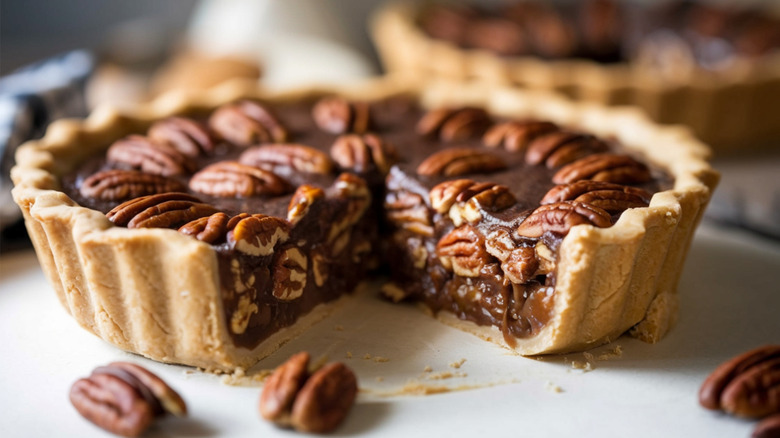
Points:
(730, 109)
(609, 280)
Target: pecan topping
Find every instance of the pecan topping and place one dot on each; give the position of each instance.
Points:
(486, 195)
(361, 153)
(233, 179)
(558, 148)
(209, 229)
(558, 218)
(185, 135)
(166, 210)
(747, 385)
(463, 251)
(309, 402)
(515, 136)
(453, 124)
(297, 157)
(614, 198)
(338, 115)
(256, 234)
(460, 161)
(407, 210)
(301, 202)
(247, 123)
(118, 185)
(124, 398)
(620, 169)
(144, 154)
(289, 273)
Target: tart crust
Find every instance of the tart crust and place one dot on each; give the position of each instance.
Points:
(730, 110)
(155, 292)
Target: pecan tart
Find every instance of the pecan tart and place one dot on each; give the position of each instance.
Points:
(714, 68)
(207, 230)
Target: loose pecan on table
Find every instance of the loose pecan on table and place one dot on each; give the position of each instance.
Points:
(460, 161)
(297, 157)
(339, 116)
(150, 156)
(614, 198)
(619, 169)
(463, 251)
(516, 135)
(118, 185)
(233, 179)
(560, 217)
(449, 124)
(124, 398)
(185, 135)
(256, 234)
(361, 153)
(247, 123)
(308, 401)
(165, 210)
(558, 148)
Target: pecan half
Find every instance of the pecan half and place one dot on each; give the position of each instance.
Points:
(185, 135)
(767, 428)
(408, 210)
(247, 123)
(297, 157)
(124, 398)
(460, 161)
(463, 251)
(620, 169)
(747, 385)
(301, 202)
(465, 199)
(118, 185)
(361, 153)
(316, 403)
(558, 218)
(519, 263)
(289, 273)
(614, 198)
(516, 135)
(354, 190)
(561, 147)
(145, 154)
(338, 115)
(449, 124)
(256, 234)
(209, 229)
(233, 179)
(165, 210)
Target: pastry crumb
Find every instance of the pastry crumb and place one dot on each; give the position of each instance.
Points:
(614, 353)
(380, 359)
(349, 355)
(427, 369)
(552, 387)
(457, 364)
(339, 328)
(367, 356)
(582, 365)
(445, 375)
(262, 375)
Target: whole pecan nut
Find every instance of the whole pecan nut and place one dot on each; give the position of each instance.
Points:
(450, 124)
(747, 385)
(614, 198)
(516, 135)
(315, 402)
(338, 115)
(463, 251)
(118, 185)
(289, 274)
(560, 217)
(209, 229)
(233, 179)
(296, 157)
(256, 234)
(124, 398)
(361, 153)
(460, 161)
(143, 153)
(558, 148)
(620, 169)
(247, 123)
(165, 210)
(185, 135)
(769, 427)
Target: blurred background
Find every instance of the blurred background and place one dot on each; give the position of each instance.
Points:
(62, 58)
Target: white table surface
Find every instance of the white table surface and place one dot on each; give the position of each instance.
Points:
(730, 293)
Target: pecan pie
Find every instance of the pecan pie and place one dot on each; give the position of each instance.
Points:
(684, 62)
(208, 231)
